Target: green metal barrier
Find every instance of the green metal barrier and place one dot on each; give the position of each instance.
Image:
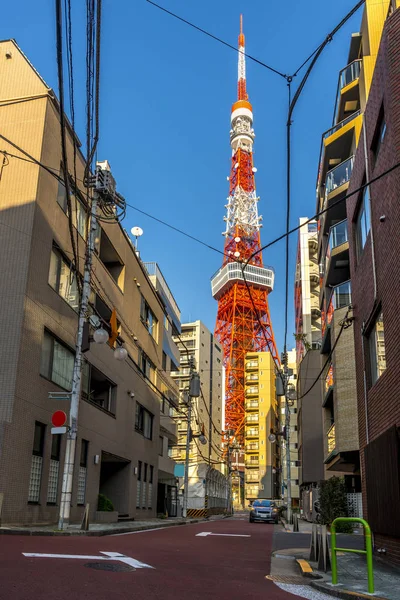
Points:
(367, 551)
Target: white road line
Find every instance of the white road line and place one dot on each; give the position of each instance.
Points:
(132, 562)
(206, 533)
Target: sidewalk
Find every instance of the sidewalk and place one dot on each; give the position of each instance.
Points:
(100, 529)
(352, 570)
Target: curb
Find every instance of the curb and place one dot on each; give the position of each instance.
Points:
(95, 533)
(341, 593)
(306, 569)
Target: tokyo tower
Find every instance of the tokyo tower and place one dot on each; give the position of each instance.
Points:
(243, 321)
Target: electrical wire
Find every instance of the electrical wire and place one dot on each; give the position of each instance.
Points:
(60, 74)
(345, 323)
(217, 39)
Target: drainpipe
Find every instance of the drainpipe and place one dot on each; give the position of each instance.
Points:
(365, 384)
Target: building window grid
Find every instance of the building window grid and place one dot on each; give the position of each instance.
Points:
(144, 490)
(138, 490)
(82, 473)
(150, 487)
(363, 223)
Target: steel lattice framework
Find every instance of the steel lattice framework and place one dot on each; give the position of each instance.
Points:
(243, 320)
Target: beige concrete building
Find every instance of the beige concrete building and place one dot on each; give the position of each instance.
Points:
(119, 417)
(261, 457)
(197, 342)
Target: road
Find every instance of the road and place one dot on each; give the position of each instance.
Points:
(185, 565)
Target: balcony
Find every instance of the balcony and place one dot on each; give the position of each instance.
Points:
(348, 98)
(252, 419)
(251, 405)
(338, 177)
(340, 297)
(337, 255)
(252, 447)
(252, 365)
(252, 476)
(251, 391)
(261, 278)
(252, 377)
(251, 433)
(342, 125)
(331, 438)
(252, 462)
(252, 492)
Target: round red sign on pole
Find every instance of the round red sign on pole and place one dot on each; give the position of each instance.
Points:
(59, 418)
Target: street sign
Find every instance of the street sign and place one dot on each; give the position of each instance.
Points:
(59, 395)
(58, 430)
(59, 418)
(132, 562)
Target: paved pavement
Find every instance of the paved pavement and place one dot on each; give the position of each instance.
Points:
(184, 565)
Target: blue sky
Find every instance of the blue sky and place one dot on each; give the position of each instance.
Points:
(166, 96)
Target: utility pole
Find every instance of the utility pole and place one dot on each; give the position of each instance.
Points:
(194, 392)
(69, 462)
(104, 193)
(287, 438)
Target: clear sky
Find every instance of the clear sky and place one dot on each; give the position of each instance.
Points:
(166, 96)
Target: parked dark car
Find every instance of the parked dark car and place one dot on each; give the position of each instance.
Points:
(264, 510)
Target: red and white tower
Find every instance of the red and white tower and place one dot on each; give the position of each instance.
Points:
(239, 328)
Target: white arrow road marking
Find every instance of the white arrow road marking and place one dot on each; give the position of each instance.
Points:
(108, 556)
(205, 533)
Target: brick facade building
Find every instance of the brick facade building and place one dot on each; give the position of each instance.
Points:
(374, 243)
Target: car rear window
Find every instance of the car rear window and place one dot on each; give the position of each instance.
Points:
(265, 503)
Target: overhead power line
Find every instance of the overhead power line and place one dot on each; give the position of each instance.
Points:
(217, 39)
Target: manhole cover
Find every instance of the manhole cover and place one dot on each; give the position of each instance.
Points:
(110, 566)
(288, 579)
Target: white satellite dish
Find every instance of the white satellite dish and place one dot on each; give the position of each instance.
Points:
(137, 232)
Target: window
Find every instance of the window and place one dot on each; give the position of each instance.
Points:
(37, 462)
(166, 323)
(144, 485)
(98, 389)
(62, 194)
(377, 354)
(150, 490)
(52, 487)
(63, 279)
(164, 361)
(146, 366)
(174, 367)
(57, 362)
(144, 421)
(379, 134)
(139, 479)
(363, 223)
(148, 318)
(79, 218)
(82, 472)
(161, 446)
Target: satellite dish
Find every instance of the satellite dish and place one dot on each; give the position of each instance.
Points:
(137, 232)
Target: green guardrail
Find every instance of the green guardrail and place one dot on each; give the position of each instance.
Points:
(367, 551)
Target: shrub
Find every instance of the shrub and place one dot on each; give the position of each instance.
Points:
(333, 503)
(104, 504)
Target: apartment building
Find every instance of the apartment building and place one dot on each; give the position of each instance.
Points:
(293, 439)
(167, 500)
(196, 343)
(338, 147)
(308, 364)
(119, 415)
(261, 456)
(373, 216)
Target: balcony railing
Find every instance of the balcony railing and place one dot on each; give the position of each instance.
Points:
(251, 405)
(252, 377)
(250, 477)
(339, 175)
(252, 447)
(252, 364)
(252, 391)
(252, 463)
(340, 125)
(329, 381)
(337, 237)
(349, 73)
(252, 418)
(331, 436)
(251, 432)
(340, 297)
(252, 492)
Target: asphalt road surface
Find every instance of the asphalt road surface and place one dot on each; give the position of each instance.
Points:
(185, 565)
